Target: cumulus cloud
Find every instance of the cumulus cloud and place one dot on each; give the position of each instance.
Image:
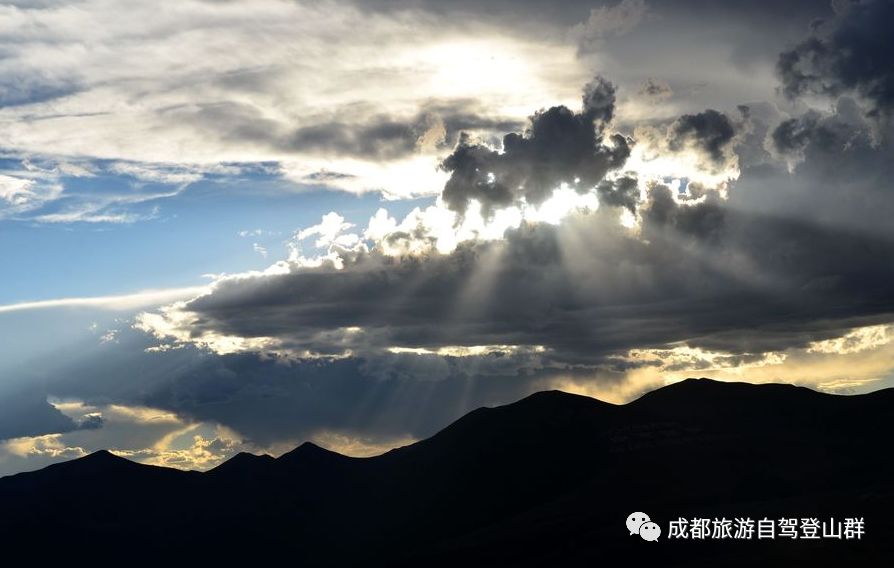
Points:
(709, 132)
(792, 135)
(700, 273)
(702, 147)
(560, 146)
(697, 270)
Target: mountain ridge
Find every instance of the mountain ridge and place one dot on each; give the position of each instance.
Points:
(686, 387)
(546, 479)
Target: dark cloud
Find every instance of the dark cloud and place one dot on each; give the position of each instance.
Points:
(586, 290)
(351, 132)
(725, 275)
(789, 260)
(560, 146)
(91, 422)
(270, 401)
(599, 101)
(793, 135)
(437, 126)
(568, 12)
(706, 274)
(837, 170)
(656, 89)
(621, 192)
(852, 53)
(27, 413)
(710, 132)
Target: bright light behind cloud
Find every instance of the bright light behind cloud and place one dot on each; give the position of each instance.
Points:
(233, 82)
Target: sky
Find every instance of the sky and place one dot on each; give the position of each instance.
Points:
(235, 226)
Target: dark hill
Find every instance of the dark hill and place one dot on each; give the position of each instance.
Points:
(546, 481)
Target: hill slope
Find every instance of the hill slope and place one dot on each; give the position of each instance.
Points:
(548, 480)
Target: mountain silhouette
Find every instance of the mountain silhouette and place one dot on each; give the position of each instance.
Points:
(546, 481)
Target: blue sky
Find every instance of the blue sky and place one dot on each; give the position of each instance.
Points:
(208, 227)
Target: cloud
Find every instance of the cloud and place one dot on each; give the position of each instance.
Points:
(850, 54)
(656, 90)
(328, 230)
(261, 250)
(273, 404)
(843, 132)
(741, 247)
(233, 85)
(139, 433)
(832, 167)
(26, 412)
(686, 265)
(709, 132)
(50, 189)
(621, 192)
(435, 127)
(202, 454)
(358, 445)
(20, 195)
(701, 274)
(43, 446)
(792, 135)
(91, 421)
(606, 22)
(122, 302)
(561, 146)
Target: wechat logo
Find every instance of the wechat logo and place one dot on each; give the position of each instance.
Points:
(641, 524)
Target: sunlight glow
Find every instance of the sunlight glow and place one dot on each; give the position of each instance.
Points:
(469, 350)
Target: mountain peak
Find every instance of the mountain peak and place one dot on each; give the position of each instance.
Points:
(102, 455)
(559, 398)
(309, 452)
(714, 388)
(102, 459)
(243, 461)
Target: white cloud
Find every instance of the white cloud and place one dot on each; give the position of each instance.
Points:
(856, 341)
(20, 194)
(158, 173)
(121, 302)
(201, 83)
(328, 230)
(259, 249)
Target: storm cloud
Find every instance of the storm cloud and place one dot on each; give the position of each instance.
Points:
(710, 132)
(850, 54)
(586, 290)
